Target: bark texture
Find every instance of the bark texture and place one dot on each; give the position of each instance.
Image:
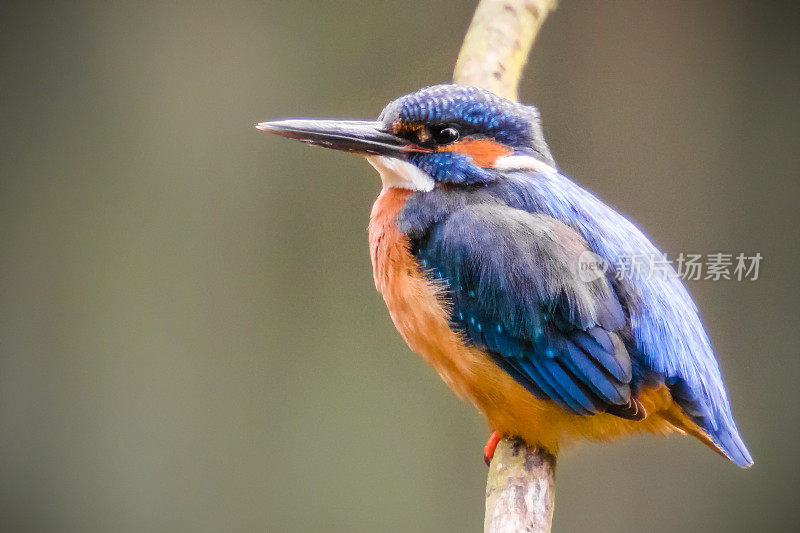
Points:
(520, 489)
(497, 44)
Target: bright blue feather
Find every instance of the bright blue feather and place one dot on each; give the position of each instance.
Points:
(668, 335)
(504, 244)
(515, 291)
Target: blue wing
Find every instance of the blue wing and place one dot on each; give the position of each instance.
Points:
(517, 292)
(507, 251)
(666, 336)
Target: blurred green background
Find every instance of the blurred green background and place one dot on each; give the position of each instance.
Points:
(190, 339)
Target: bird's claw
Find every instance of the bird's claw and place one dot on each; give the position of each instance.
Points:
(491, 446)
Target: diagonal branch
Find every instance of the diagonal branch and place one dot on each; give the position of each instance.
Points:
(497, 44)
(521, 482)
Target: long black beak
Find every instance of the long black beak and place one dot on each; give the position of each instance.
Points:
(355, 136)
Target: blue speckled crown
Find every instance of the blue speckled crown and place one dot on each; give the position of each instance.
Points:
(477, 112)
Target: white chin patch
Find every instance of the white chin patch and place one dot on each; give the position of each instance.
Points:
(515, 162)
(401, 174)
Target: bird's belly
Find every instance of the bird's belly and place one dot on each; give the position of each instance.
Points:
(418, 308)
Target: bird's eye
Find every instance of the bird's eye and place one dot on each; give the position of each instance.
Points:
(445, 135)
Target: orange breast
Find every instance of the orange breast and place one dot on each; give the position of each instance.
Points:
(418, 307)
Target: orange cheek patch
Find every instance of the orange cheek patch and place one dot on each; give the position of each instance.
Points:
(485, 152)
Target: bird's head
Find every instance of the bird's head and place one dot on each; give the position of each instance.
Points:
(440, 136)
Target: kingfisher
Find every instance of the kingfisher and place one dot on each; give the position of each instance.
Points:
(480, 247)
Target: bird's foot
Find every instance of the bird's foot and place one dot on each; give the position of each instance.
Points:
(491, 446)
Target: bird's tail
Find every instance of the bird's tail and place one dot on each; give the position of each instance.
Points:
(725, 440)
(728, 441)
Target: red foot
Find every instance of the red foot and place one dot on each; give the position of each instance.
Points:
(491, 446)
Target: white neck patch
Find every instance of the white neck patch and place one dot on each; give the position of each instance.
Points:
(401, 174)
(513, 162)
